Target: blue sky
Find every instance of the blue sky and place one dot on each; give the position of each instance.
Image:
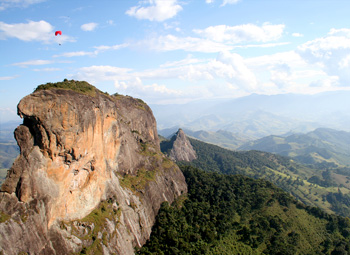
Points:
(174, 51)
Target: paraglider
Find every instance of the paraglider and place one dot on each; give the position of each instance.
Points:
(58, 32)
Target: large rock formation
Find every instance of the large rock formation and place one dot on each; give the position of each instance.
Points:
(90, 176)
(179, 148)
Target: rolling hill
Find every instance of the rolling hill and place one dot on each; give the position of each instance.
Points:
(318, 146)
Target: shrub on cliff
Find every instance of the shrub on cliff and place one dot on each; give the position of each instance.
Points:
(78, 86)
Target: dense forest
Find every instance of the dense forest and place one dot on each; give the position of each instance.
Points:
(318, 185)
(234, 214)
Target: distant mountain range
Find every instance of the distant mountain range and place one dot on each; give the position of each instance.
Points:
(222, 138)
(257, 116)
(9, 149)
(320, 145)
(323, 145)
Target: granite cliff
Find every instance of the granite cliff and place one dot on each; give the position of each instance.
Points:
(179, 148)
(90, 176)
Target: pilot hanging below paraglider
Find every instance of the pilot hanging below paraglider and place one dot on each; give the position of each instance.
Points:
(58, 33)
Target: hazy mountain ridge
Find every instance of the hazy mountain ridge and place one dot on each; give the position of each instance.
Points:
(222, 138)
(320, 145)
(260, 115)
(9, 149)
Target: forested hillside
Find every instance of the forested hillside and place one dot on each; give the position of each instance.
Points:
(326, 188)
(233, 214)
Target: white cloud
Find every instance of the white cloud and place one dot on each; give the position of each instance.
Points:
(226, 74)
(211, 43)
(151, 92)
(102, 48)
(331, 53)
(7, 78)
(127, 82)
(89, 26)
(224, 2)
(98, 50)
(242, 33)
(288, 72)
(49, 69)
(103, 73)
(5, 4)
(171, 42)
(229, 2)
(32, 31)
(155, 10)
(297, 35)
(75, 54)
(233, 68)
(38, 62)
(33, 63)
(183, 62)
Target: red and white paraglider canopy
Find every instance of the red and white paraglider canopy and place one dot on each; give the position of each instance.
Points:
(58, 33)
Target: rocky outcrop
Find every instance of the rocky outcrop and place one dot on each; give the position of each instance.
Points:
(179, 148)
(90, 176)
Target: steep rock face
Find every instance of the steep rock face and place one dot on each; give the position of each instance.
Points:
(77, 152)
(182, 149)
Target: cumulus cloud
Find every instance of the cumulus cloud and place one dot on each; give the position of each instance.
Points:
(233, 68)
(331, 53)
(103, 73)
(288, 72)
(154, 91)
(127, 81)
(32, 31)
(155, 10)
(89, 26)
(242, 33)
(228, 73)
